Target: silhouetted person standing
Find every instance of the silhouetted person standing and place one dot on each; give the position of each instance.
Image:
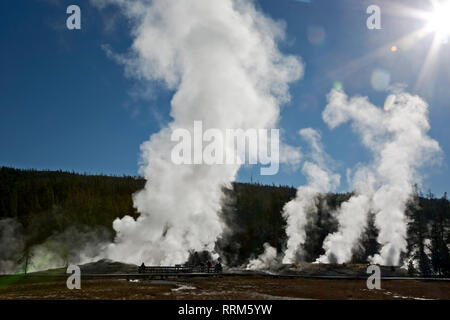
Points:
(209, 264)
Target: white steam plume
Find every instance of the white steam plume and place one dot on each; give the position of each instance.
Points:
(352, 218)
(268, 260)
(11, 245)
(397, 137)
(319, 180)
(221, 58)
(75, 245)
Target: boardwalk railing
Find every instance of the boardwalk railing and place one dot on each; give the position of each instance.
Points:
(177, 269)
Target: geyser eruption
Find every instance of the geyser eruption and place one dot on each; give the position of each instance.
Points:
(319, 180)
(222, 61)
(397, 137)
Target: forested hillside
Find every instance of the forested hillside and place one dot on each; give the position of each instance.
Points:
(46, 203)
(92, 200)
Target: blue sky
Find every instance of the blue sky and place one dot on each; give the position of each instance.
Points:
(65, 105)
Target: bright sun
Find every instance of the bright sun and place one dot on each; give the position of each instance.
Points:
(439, 20)
(435, 17)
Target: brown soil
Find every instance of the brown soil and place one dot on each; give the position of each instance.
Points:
(223, 287)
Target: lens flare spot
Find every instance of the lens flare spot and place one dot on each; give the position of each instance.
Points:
(316, 35)
(389, 103)
(337, 85)
(380, 80)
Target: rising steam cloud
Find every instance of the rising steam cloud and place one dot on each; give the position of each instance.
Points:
(397, 137)
(268, 260)
(319, 180)
(222, 61)
(11, 245)
(74, 245)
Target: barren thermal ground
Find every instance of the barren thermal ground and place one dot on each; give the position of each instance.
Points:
(221, 288)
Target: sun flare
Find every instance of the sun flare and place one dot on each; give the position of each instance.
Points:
(439, 20)
(436, 24)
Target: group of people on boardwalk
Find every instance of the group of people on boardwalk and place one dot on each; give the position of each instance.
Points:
(209, 267)
(206, 267)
